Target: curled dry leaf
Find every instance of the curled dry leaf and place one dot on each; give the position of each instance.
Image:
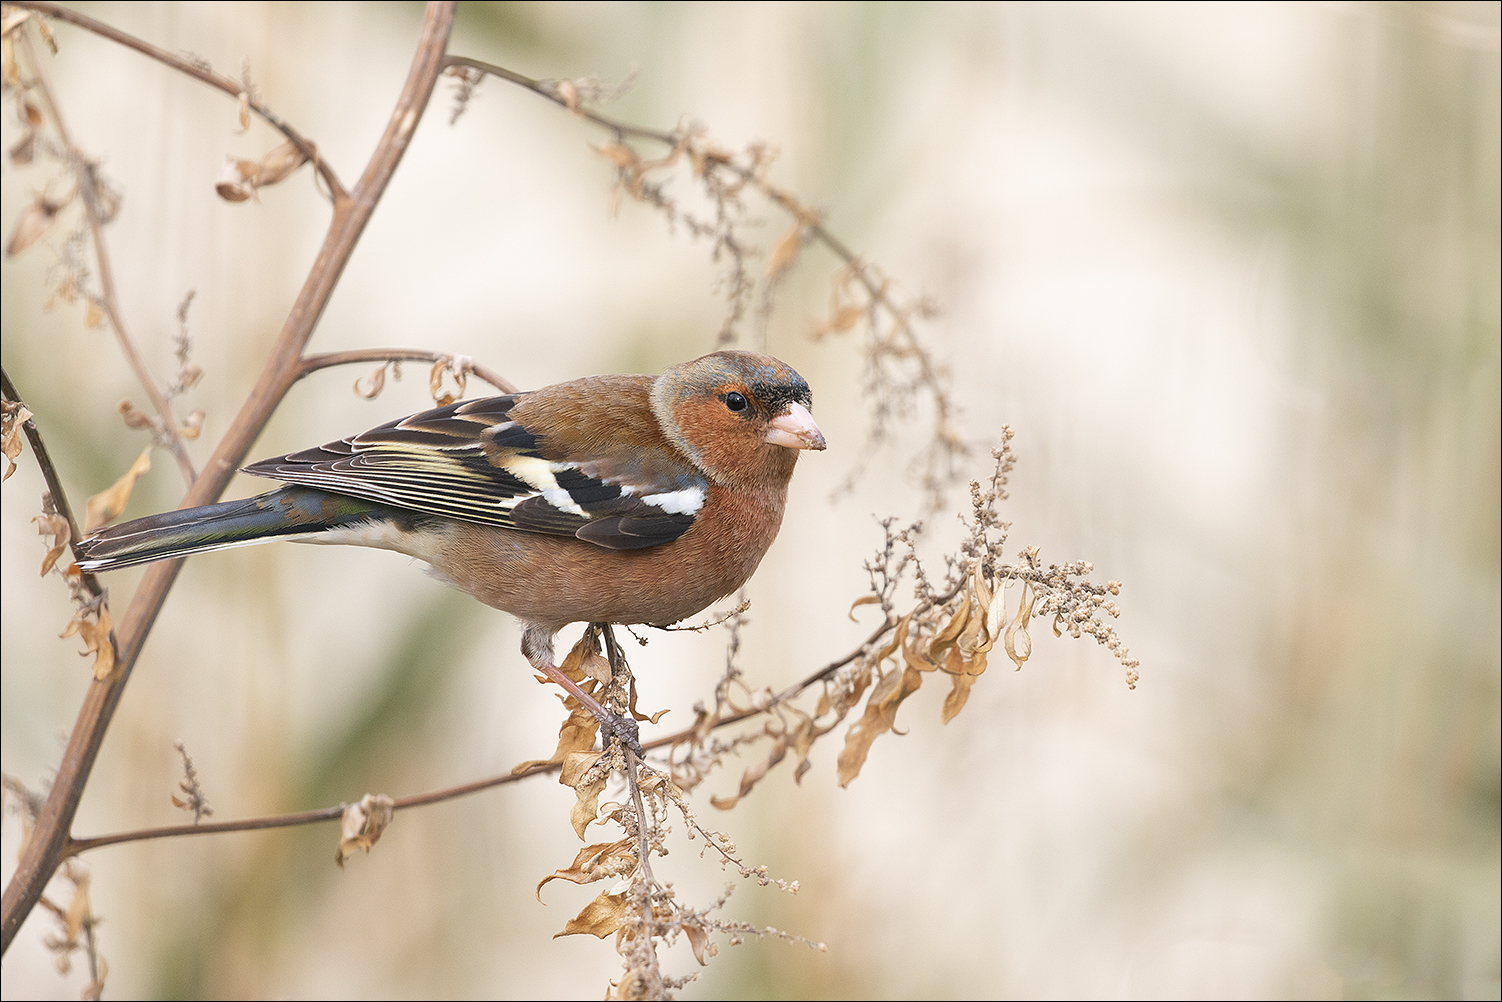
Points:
(95, 634)
(239, 179)
(597, 862)
(373, 383)
(880, 716)
(53, 525)
(132, 417)
(13, 414)
(1018, 645)
(236, 182)
(106, 506)
(785, 251)
(576, 770)
(577, 733)
(193, 426)
(601, 917)
(32, 224)
(754, 774)
(863, 600)
(699, 941)
(362, 824)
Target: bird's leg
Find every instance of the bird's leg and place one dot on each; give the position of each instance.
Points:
(537, 645)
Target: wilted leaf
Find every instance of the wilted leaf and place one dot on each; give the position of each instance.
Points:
(95, 634)
(35, 220)
(362, 824)
(12, 416)
(698, 940)
(951, 631)
(280, 163)
(132, 417)
(193, 426)
(601, 917)
(863, 600)
(880, 715)
(955, 701)
(754, 774)
(106, 506)
(54, 525)
(785, 251)
(597, 862)
(1019, 646)
(374, 383)
(622, 156)
(237, 180)
(576, 767)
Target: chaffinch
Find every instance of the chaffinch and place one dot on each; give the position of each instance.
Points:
(616, 499)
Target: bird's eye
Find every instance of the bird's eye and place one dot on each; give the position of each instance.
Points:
(735, 401)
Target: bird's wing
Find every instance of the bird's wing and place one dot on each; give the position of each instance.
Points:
(472, 461)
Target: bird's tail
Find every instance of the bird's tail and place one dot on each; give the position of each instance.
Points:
(288, 513)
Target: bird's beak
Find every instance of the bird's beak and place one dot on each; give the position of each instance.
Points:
(795, 430)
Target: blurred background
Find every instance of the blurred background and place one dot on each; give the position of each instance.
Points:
(1230, 272)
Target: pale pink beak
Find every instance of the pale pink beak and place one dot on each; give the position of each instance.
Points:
(795, 430)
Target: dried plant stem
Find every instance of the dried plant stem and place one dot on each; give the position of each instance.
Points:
(169, 427)
(50, 477)
(352, 211)
(79, 845)
(197, 71)
(312, 363)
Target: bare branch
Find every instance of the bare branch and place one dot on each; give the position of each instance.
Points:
(50, 839)
(197, 71)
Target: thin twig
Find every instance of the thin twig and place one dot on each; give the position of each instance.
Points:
(197, 71)
(53, 481)
(312, 363)
(88, 188)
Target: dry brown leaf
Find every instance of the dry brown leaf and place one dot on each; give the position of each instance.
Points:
(14, 18)
(32, 224)
(375, 382)
(955, 701)
(597, 862)
(601, 917)
(279, 164)
(193, 426)
(621, 155)
(46, 31)
(698, 940)
(362, 824)
(785, 251)
(95, 634)
(880, 715)
(54, 525)
(237, 180)
(1018, 645)
(12, 416)
(132, 417)
(104, 507)
(577, 766)
(754, 774)
(243, 111)
(951, 631)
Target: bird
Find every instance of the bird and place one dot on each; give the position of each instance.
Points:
(626, 499)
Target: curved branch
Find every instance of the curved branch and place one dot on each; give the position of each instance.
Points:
(312, 363)
(50, 836)
(198, 71)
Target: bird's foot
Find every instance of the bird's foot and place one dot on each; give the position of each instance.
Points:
(612, 725)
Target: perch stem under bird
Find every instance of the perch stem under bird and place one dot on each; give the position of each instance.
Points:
(612, 499)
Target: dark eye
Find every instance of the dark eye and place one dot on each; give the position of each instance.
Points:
(735, 401)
